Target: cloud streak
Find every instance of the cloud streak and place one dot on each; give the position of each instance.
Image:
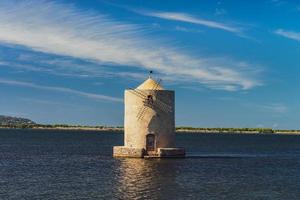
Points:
(60, 89)
(275, 107)
(61, 29)
(288, 34)
(184, 17)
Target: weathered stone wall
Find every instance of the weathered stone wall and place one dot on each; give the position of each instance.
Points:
(122, 151)
(155, 120)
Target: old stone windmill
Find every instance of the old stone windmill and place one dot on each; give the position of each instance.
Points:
(149, 122)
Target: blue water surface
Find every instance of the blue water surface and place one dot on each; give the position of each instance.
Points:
(39, 164)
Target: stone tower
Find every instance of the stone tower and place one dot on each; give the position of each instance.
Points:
(149, 122)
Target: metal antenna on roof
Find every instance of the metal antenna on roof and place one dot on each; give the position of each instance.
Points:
(150, 73)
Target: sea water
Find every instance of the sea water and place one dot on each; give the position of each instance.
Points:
(39, 164)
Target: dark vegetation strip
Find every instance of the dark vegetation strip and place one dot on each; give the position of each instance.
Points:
(120, 128)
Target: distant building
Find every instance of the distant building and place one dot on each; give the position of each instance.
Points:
(149, 123)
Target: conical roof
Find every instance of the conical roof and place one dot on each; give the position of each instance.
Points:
(150, 84)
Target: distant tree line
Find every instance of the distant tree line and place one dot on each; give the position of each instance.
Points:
(120, 128)
(24, 126)
(195, 129)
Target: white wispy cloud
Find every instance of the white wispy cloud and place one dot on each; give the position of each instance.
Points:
(278, 2)
(184, 17)
(271, 107)
(60, 89)
(61, 29)
(184, 29)
(69, 68)
(275, 107)
(220, 11)
(288, 34)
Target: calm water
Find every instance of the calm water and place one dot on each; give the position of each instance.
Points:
(78, 165)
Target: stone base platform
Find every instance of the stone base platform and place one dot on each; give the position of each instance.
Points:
(171, 152)
(128, 152)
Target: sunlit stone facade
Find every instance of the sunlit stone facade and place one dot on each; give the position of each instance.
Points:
(149, 122)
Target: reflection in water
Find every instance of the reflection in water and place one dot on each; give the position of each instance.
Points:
(37, 164)
(144, 179)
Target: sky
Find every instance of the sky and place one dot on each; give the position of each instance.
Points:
(231, 63)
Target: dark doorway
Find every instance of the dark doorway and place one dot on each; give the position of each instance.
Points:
(150, 142)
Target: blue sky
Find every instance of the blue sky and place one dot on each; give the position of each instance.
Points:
(231, 63)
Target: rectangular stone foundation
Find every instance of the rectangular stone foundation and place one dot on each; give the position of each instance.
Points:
(171, 152)
(128, 152)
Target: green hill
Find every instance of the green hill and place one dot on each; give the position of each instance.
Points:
(12, 121)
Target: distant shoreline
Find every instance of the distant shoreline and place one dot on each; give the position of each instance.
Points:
(68, 128)
(8, 122)
(178, 130)
(238, 132)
